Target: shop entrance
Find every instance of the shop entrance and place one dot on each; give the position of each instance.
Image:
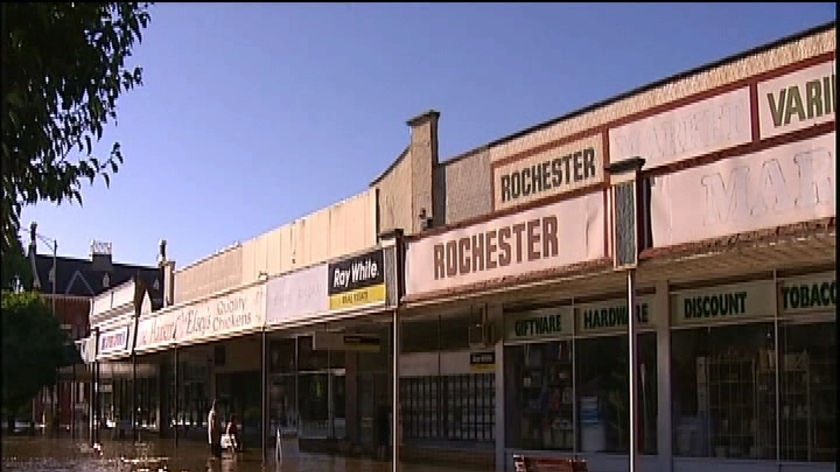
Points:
(322, 404)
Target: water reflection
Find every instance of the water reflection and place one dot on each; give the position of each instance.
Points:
(39, 453)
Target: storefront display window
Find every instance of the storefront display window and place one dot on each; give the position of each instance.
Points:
(808, 402)
(449, 407)
(603, 394)
(540, 406)
(723, 381)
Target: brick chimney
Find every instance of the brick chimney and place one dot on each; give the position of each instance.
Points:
(424, 158)
(100, 256)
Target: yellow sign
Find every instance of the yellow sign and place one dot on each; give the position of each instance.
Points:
(360, 296)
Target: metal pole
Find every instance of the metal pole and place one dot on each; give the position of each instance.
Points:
(55, 392)
(395, 405)
(631, 323)
(175, 413)
(134, 396)
(264, 399)
(73, 400)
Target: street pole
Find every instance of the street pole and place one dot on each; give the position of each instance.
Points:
(395, 405)
(631, 323)
(264, 399)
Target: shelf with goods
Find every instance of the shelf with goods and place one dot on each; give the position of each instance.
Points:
(765, 401)
(823, 405)
(727, 383)
(547, 401)
(795, 403)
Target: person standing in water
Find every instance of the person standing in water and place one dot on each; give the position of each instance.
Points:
(214, 431)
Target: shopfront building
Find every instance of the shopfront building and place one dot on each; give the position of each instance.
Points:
(329, 330)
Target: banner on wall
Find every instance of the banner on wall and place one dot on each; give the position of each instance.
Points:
(692, 130)
(357, 281)
(297, 296)
(563, 233)
(115, 342)
(157, 331)
(239, 311)
(784, 185)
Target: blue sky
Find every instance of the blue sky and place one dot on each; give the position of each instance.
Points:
(252, 115)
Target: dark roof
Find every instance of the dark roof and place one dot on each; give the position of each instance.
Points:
(78, 277)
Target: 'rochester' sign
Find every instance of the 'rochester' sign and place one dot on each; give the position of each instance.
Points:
(357, 281)
(542, 238)
(558, 170)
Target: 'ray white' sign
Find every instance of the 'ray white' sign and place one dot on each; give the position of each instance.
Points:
(783, 185)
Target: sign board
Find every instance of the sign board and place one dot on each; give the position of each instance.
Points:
(114, 341)
(333, 341)
(552, 172)
(357, 281)
(692, 130)
(297, 296)
(797, 100)
(784, 185)
(809, 293)
(556, 235)
(722, 304)
(236, 312)
(484, 361)
(539, 324)
(611, 316)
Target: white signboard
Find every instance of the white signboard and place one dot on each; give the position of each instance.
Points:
(539, 324)
(115, 341)
(692, 130)
(797, 100)
(809, 293)
(240, 311)
(728, 303)
(552, 172)
(297, 296)
(783, 185)
(556, 235)
(158, 331)
(611, 316)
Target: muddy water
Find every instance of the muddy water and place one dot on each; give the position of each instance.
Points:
(39, 453)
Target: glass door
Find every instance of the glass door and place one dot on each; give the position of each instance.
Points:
(322, 404)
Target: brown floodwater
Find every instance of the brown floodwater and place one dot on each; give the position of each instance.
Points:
(41, 453)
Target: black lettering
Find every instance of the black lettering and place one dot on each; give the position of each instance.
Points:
(549, 230)
(517, 232)
(536, 179)
(578, 166)
(490, 249)
(533, 239)
(557, 172)
(451, 258)
(504, 247)
(546, 174)
(515, 185)
(505, 188)
(588, 163)
(478, 252)
(526, 181)
(440, 268)
(464, 255)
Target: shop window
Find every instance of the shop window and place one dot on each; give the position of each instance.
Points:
(449, 408)
(808, 400)
(540, 402)
(723, 384)
(604, 396)
(420, 336)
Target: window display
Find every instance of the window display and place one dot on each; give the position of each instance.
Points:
(723, 384)
(808, 422)
(603, 394)
(540, 404)
(450, 407)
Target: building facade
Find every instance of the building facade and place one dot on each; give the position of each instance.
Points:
(732, 216)
(507, 270)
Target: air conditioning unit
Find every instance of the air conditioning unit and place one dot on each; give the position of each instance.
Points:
(481, 335)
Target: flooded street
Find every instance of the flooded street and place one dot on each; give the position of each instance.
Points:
(39, 453)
